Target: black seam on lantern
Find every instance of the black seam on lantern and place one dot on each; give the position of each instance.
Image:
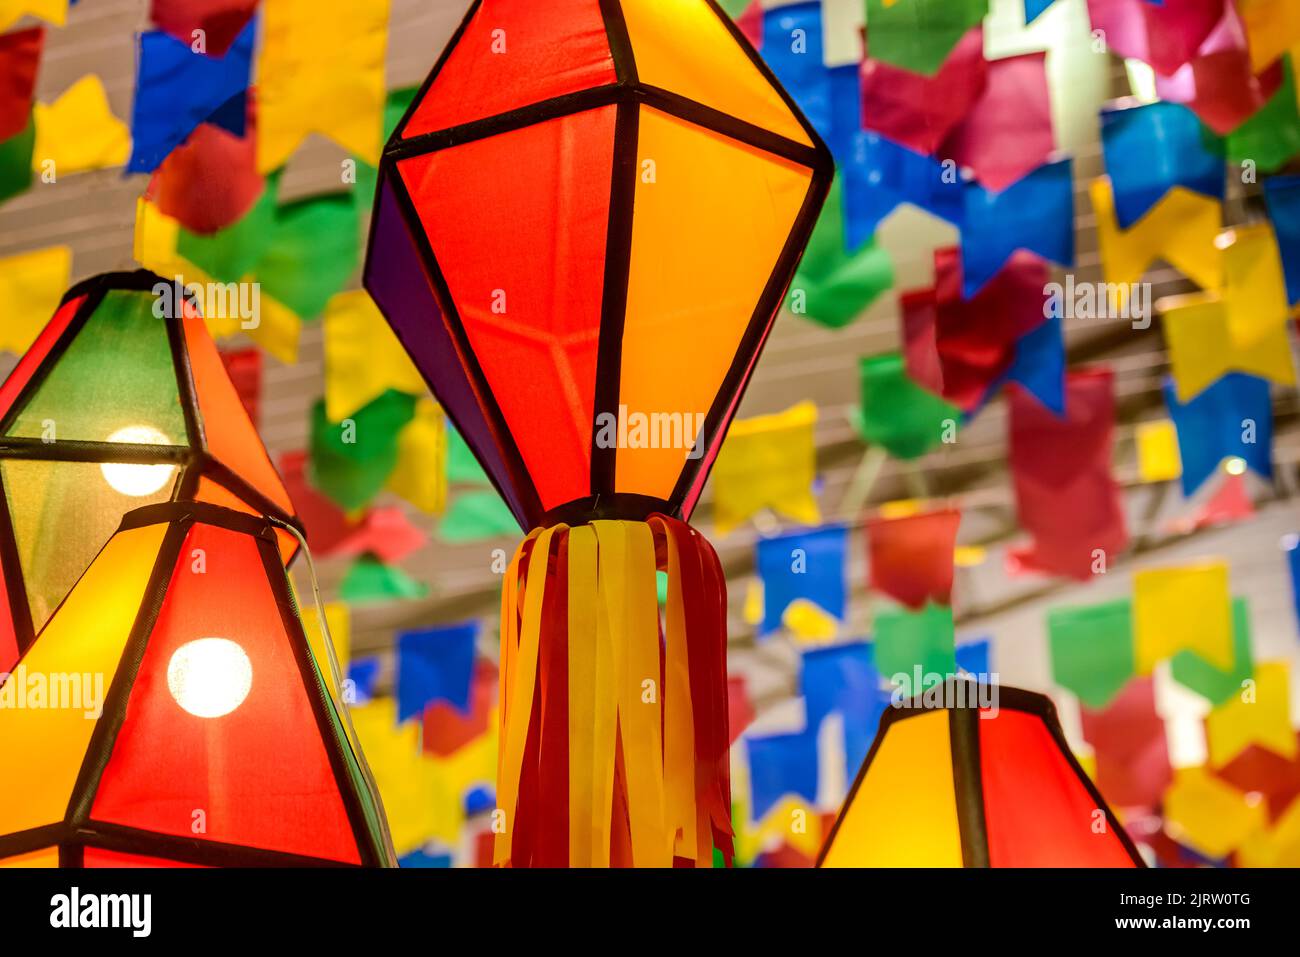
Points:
(620, 43)
(199, 513)
(46, 837)
(15, 586)
(427, 85)
(968, 785)
(234, 483)
(388, 171)
(613, 309)
(72, 855)
(363, 834)
(105, 453)
(494, 418)
(103, 739)
(736, 382)
(184, 372)
(121, 838)
(626, 506)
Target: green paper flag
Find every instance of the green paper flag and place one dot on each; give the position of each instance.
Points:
(898, 414)
(476, 516)
(352, 460)
(734, 8)
(230, 254)
(917, 35)
(367, 176)
(370, 581)
(1092, 649)
(833, 286)
(1192, 671)
(313, 252)
(461, 465)
(1272, 136)
(16, 162)
(910, 640)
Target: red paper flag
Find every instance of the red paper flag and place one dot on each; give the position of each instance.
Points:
(446, 729)
(244, 366)
(1128, 738)
(1065, 496)
(1265, 772)
(740, 710)
(326, 524)
(220, 21)
(919, 111)
(20, 56)
(911, 558)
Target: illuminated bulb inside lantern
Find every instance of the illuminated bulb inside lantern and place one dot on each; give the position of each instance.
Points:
(1235, 466)
(137, 480)
(209, 677)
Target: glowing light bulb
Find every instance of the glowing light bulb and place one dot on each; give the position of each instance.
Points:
(137, 481)
(1235, 466)
(209, 677)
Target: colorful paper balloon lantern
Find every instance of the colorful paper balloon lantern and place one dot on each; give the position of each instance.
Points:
(585, 225)
(966, 785)
(115, 406)
(211, 739)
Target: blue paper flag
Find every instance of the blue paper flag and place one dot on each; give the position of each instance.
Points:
(436, 664)
(781, 764)
(1034, 213)
(881, 175)
(1039, 365)
(792, 47)
(363, 673)
(973, 657)
(1291, 544)
(809, 565)
(478, 800)
(177, 89)
(1034, 8)
(843, 680)
(1283, 196)
(1152, 148)
(424, 859)
(1234, 416)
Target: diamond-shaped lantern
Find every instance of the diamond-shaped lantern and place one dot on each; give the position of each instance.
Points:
(115, 406)
(586, 223)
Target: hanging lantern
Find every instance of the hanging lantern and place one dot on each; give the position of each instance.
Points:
(116, 405)
(585, 225)
(188, 723)
(973, 785)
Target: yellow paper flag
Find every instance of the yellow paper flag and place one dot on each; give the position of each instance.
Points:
(1188, 607)
(1259, 714)
(767, 462)
(1272, 27)
(1277, 847)
(321, 70)
(809, 622)
(420, 476)
(363, 358)
(78, 131)
(1211, 815)
(51, 11)
(31, 285)
(794, 822)
(1202, 347)
(1181, 229)
(1157, 448)
(752, 611)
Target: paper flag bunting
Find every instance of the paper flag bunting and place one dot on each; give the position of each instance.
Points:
(781, 765)
(792, 47)
(369, 581)
(1163, 35)
(899, 415)
(244, 366)
(447, 728)
(1152, 148)
(31, 285)
(1272, 136)
(420, 476)
(1272, 27)
(1278, 847)
(218, 22)
(843, 680)
(1259, 714)
(313, 251)
(917, 35)
(1035, 8)
(51, 11)
(1186, 607)
(1055, 460)
(462, 467)
(230, 254)
(475, 516)
(1039, 366)
(363, 673)
(918, 111)
(1216, 685)
(767, 462)
(1283, 196)
(1035, 213)
(16, 162)
(740, 709)
(959, 348)
(1007, 133)
(79, 132)
(915, 650)
(321, 70)
(210, 181)
(881, 175)
(386, 533)
(326, 524)
(395, 106)
(435, 664)
(1129, 747)
(1264, 772)
(1229, 504)
(363, 358)
(833, 286)
(20, 59)
(1291, 548)
(911, 559)
(1232, 417)
(177, 89)
(1210, 815)
(1092, 650)
(1181, 229)
(352, 460)
(809, 565)
(808, 624)
(1157, 451)
(975, 658)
